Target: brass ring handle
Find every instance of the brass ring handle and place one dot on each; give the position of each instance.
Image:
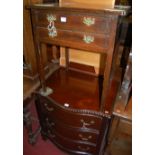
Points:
(52, 31)
(48, 108)
(84, 149)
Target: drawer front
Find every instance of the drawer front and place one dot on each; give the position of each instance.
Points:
(70, 145)
(76, 134)
(92, 42)
(75, 21)
(74, 119)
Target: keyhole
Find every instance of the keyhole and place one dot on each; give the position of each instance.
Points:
(49, 26)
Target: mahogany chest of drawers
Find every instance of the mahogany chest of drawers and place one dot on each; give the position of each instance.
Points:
(73, 130)
(79, 127)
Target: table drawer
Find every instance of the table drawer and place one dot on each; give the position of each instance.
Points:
(77, 134)
(77, 22)
(73, 118)
(73, 39)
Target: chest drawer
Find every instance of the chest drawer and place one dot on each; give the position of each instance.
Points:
(73, 39)
(71, 145)
(69, 117)
(74, 21)
(77, 134)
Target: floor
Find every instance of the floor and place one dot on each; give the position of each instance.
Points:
(40, 148)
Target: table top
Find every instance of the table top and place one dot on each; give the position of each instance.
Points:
(81, 6)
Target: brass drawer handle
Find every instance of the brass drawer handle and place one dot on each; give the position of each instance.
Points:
(84, 124)
(88, 39)
(85, 138)
(52, 31)
(88, 21)
(51, 18)
(48, 108)
(84, 149)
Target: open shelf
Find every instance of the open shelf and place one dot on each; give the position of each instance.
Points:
(79, 90)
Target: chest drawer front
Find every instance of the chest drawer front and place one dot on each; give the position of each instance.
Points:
(75, 21)
(74, 119)
(92, 42)
(76, 134)
(71, 145)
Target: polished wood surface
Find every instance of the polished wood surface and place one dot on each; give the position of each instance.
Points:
(76, 131)
(102, 43)
(80, 91)
(80, 101)
(70, 119)
(79, 56)
(82, 68)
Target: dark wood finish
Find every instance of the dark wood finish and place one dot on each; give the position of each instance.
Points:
(76, 131)
(82, 68)
(80, 104)
(102, 22)
(80, 90)
(102, 44)
(69, 127)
